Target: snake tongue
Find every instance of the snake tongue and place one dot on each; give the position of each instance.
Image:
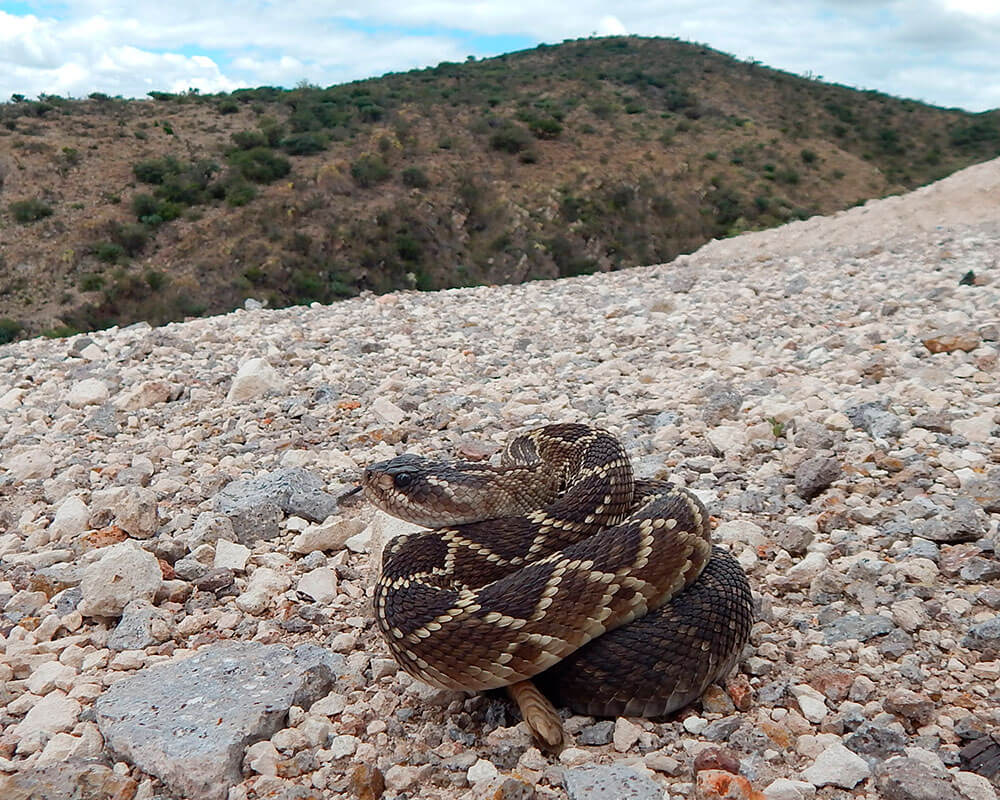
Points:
(350, 493)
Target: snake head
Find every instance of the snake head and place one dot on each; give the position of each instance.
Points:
(430, 493)
(398, 474)
(404, 487)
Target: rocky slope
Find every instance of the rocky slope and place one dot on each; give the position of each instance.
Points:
(828, 388)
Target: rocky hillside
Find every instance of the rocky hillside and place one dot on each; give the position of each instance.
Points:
(587, 156)
(185, 605)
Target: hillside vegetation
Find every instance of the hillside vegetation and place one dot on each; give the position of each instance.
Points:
(591, 155)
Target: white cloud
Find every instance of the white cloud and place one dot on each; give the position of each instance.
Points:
(611, 26)
(941, 51)
(975, 8)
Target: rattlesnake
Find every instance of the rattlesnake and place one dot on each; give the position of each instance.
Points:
(557, 565)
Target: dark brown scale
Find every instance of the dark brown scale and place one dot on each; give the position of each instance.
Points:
(665, 660)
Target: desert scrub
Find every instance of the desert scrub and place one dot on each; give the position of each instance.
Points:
(260, 164)
(546, 128)
(109, 253)
(239, 192)
(304, 144)
(510, 138)
(369, 170)
(415, 178)
(30, 210)
(9, 329)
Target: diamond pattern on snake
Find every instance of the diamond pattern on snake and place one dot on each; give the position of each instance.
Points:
(557, 566)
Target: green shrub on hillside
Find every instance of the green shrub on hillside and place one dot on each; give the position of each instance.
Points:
(273, 130)
(109, 253)
(9, 329)
(92, 283)
(369, 170)
(304, 144)
(131, 236)
(415, 178)
(247, 140)
(152, 211)
(30, 210)
(510, 138)
(260, 164)
(155, 279)
(548, 128)
(239, 193)
(982, 132)
(154, 170)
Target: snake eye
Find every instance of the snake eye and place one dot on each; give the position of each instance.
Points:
(403, 479)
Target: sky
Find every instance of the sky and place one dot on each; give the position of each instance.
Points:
(945, 52)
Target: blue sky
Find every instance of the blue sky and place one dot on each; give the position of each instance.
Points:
(938, 51)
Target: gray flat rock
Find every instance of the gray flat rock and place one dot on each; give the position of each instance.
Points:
(189, 722)
(615, 782)
(857, 626)
(255, 506)
(902, 778)
(875, 420)
(984, 637)
(135, 629)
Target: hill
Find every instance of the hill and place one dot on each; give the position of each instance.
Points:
(592, 155)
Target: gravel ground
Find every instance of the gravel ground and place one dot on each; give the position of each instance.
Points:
(828, 388)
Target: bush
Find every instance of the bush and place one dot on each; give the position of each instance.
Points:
(188, 184)
(369, 170)
(273, 130)
(548, 128)
(30, 210)
(510, 138)
(415, 178)
(787, 176)
(145, 205)
(92, 283)
(247, 140)
(260, 164)
(239, 193)
(132, 237)
(109, 252)
(155, 280)
(155, 170)
(9, 329)
(982, 132)
(229, 106)
(663, 206)
(304, 144)
(809, 157)
(370, 112)
(408, 248)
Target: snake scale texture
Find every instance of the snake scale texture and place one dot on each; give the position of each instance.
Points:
(557, 565)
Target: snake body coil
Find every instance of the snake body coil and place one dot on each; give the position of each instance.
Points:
(558, 565)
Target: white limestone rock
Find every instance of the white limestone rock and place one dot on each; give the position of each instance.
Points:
(88, 392)
(124, 573)
(254, 378)
(837, 766)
